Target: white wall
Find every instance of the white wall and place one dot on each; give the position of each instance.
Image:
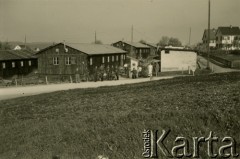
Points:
(133, 61)
(178, 60)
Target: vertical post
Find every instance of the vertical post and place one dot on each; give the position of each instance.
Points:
(46, 79)
(209, 5)
(131, 41)
(22, 80)
(190, 36)
(71, 79)
(95, 41)
(16, 82)
(25, 42)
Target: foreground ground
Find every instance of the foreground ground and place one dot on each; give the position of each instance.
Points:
(85, 123)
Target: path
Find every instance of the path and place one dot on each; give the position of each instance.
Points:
(14, 92)
(216, 68)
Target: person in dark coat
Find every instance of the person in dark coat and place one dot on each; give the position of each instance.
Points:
(157, 69)
(117, 72)
(108, 72)
(95, 74)
(101, 69)
(134, 73)
(77, 75)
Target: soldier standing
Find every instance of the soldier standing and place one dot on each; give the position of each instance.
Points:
(95, 74)
(108, 72)
(117, 72)
(101, 71)
(157, 68)
(77, 75)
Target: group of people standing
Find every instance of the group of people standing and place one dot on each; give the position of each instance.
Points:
(136, 71)
(151, 68)
(109, 73)
(101, 73)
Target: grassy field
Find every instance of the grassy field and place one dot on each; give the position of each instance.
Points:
(85, 123)
(229, 57)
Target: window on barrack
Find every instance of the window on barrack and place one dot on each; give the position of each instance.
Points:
(3, 65)
(91, 61)
(167, 51)
(55, 61)
(68, 60)
(103, 60)
(21, 63)
(13, 64)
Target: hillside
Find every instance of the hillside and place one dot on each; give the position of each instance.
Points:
(85, 123)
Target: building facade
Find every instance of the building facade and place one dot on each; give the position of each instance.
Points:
(178, 60)
(212, 43)
(70, 59)
(228, 38)
(61, 60)
(135, 50)
(98, 54)
(154, 49)
(16, 63)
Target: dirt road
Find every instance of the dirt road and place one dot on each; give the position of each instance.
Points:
(215, 68)
(14, 92)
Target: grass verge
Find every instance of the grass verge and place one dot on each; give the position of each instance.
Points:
(85, 123)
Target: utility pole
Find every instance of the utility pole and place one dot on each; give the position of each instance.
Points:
(131, 41)
(95, 37)
(209, 10)
(189, 43)
(25, 42)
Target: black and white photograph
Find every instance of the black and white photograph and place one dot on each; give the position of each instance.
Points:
(119, 79)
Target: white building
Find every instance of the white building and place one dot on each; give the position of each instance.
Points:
(228, 38)
(178, 60)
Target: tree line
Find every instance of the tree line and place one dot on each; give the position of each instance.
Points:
(4, 46)
(166, 41)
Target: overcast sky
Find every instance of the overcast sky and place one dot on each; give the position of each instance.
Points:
(76, 20)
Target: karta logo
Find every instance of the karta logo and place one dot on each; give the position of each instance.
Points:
(154, 144)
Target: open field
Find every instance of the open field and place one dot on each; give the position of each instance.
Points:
(85, 123)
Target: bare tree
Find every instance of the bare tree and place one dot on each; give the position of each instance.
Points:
(5, 46)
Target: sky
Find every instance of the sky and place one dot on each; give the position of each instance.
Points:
(76, 21)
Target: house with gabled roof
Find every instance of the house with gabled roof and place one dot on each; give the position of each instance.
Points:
(65, 59)
(134, 49)
(212, 43)
(16, 62)
(21, 47)
(154, 48)
(228, 38)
